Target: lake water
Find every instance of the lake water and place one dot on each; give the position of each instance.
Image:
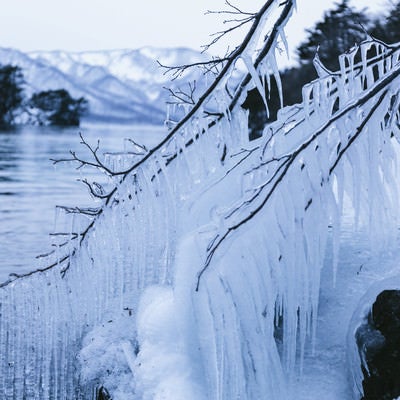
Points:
(31, 186)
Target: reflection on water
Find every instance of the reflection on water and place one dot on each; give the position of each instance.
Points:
(31, 187)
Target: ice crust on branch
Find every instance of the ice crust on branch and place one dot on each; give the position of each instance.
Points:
(228, 235)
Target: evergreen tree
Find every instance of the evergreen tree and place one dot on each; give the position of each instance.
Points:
(339, 30)
(387, 28)
(11, 93)
(57, 107)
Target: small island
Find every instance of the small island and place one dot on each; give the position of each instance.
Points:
(50, 107)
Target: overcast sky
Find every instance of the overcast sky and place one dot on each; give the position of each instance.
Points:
(78, 25)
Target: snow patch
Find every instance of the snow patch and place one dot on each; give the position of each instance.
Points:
(163, 369)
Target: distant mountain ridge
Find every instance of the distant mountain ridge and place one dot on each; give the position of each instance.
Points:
(125, 86)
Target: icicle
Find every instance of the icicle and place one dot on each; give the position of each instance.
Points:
(256, 79)
(275, 70)
(336, 205)
(322, 71)
(283, 37)
(306, 94)
(342, 65)
(351, 74)
(364, 48)
(381, 68)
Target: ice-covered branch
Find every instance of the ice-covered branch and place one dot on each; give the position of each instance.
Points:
(252, 207)
(198, 110)
(13, 276)
(240, 50)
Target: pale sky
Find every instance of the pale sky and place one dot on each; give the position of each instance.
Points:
(78, 25)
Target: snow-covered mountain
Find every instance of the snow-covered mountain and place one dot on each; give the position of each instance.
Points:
(120, 85)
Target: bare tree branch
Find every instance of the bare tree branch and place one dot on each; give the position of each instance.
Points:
(236, 10)
(141, 147)
(179, 96)
(90, 211)
(97, 163)
(178, 70)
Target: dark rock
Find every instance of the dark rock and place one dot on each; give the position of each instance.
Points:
(386, 313)
(103, 394)
(379, 341)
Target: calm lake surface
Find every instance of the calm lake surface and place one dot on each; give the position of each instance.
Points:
(31, 186)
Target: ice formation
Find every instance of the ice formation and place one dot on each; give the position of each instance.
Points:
(199, 277)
